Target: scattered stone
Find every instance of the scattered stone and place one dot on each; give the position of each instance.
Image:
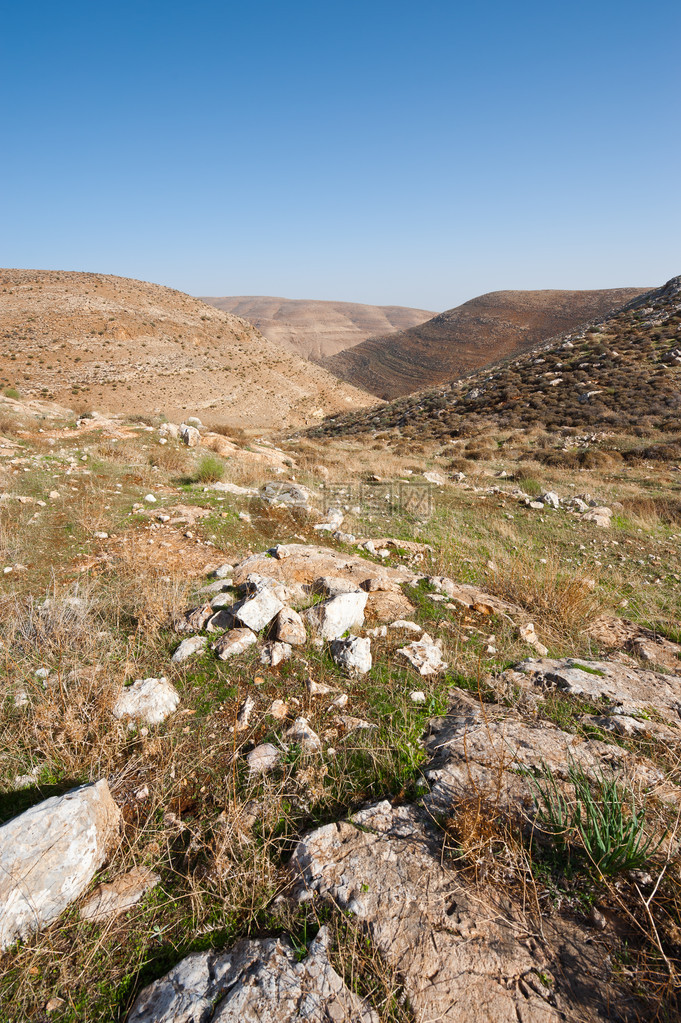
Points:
(600, 516)
(301, 732)
(551, 499)
(221, 600)
(406, 625)
(279, 710)
(150, 499)
(263, 759)
(223, 571)
(222, 620)
(233, 643)
(319, 688)
(149, 700)
(340, 702)
(425, 655)
(188, 647)
(258, 981)
(49, 855)
(274, 652)
(286, 495)
(353, 654)
(351, 724)
(289, 627)
(194, 620)
(110, 900)
(418, 696)
(169, 431)
(244, 712)
(528, 634)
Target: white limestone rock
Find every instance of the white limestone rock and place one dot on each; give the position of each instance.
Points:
(149, 700)
(49, 855)
(353, 654)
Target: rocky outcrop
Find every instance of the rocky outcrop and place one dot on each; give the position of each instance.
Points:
(259, 981)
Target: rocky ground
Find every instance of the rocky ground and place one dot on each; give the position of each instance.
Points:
(335, 729)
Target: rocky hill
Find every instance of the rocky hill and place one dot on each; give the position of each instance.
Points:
(128, 346)
(622, 370)
(484, 330)
(318, 329)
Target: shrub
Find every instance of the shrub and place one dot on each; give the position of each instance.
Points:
(11, 392)
(210, 469)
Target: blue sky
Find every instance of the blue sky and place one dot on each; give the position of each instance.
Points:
(414, 153)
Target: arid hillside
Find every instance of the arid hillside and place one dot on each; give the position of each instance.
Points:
(317, 330)
(484, 330)
(128, 346)
(621, 371)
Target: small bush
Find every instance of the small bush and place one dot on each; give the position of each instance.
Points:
(11, 392)
(602, 822)
(210, 469)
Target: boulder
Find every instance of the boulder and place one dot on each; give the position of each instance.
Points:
(149, 700)
(258, 981)
(169, 431)
(333, 586)
(599, 516)
(190, 435)
(49, 855)
(257, 611)
(353, 654)
(193, 620)
(333, 617)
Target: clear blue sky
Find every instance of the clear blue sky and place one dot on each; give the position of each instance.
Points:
(415, 153)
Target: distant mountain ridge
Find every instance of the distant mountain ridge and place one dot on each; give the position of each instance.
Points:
(460, 340)
(621, 371)
(317, 329)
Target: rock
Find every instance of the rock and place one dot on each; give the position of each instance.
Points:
(301, 732)
(169, 431)
(418, 696)
(576, 504)
(49, 855)
(258, 981)
(114, 898)
(231, 488)
(551, 499)
(492, 750)
(319, 688)
(386, 605)
(188, 647)
(194, 421)
(222, 620)
(263, 759)
(333, 617)
(286, 495)
(351, 724)
(435, 477)
(149, 700)
(289, 627)
(536, 505)
(193, 620)
(223, 571)
(353, 654)
(471, 597)
(600, 516)
(255, 583)
(425, 655)
(332, 523)
(460, 952)
(633, 691)
(273, 653)
(150, 499)
(244, 712)
(233, 643)
(620, 634)
(221, 601)
(257, 611)
(278, 710)
(190, 435)
(528, 634)
(406, 625)
(333, 586)
(298, 565)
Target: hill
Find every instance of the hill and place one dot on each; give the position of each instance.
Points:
(129, 346)
(472, 335)
(315, 329)
(623, 370)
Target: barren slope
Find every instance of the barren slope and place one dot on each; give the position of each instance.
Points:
(129, 346)
(318, 329)
(479, 332)
(622, 371)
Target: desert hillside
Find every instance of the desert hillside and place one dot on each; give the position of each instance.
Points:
(129, 346)
(621, 371)
(488, 328)
(319, 329)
